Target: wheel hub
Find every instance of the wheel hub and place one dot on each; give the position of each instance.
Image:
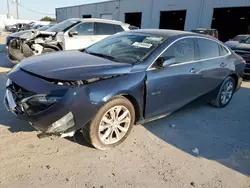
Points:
(114, 124)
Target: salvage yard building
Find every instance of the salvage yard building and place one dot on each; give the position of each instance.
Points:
(229, 17)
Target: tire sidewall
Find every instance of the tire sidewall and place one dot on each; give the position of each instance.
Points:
(94, 125)
(220, 92)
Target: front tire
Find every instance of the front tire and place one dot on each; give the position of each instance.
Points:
(111, 125)
(225, 93)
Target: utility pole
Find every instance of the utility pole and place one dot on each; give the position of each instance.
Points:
(17, 4)
(17, 11)
(8, 6)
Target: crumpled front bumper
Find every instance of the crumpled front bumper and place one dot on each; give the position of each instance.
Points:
(71, 113)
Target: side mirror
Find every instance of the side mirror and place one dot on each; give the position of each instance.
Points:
(72, 33)
(165, 61)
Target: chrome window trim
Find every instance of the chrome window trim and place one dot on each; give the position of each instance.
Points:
(192, 37)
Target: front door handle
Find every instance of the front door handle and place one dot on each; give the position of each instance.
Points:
(194, 71)
(223, 64)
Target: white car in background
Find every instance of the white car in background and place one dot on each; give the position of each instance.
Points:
(88, 32)
(71, 34)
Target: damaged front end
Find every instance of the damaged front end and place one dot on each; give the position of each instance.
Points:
(30, 44)
(27, 104)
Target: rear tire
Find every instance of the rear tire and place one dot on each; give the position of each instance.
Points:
(225, 93)
(111, 125)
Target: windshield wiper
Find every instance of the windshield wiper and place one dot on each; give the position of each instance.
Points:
(103, 55)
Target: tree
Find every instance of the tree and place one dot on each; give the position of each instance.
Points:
(48, 19)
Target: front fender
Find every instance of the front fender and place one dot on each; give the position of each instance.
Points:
(131, 84)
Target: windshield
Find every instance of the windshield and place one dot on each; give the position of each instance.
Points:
(247, 41)
(35, 26)
(239, 38)
(126, 48)
(45, 27)
(62, 25)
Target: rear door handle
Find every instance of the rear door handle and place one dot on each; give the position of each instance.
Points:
(194, 71)
(223, 64)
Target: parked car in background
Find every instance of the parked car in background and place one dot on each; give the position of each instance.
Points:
(20, 33)
(129, 78)
(15, 27)
(32, 26)
(209, 32)
(68, 35)
(232, 43)
(243, 49)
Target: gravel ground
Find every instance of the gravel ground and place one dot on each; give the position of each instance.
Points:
(2, 37)
(154, 155)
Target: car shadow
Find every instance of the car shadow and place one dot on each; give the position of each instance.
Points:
(221, 135)
(78, 138)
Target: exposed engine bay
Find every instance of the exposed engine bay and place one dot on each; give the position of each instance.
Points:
(33, 43)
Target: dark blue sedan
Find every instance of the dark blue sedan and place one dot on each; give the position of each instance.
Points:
(129, 78)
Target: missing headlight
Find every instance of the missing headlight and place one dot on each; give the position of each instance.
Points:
(38, 103)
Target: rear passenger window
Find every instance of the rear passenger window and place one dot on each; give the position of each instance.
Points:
(118, 28)
(223, 51)
(182, 50)
(208, 48)
(105, 29)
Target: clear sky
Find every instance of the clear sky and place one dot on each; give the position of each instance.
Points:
(43, 6)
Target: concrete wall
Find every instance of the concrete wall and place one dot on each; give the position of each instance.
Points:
(95, 10)
(199, 12)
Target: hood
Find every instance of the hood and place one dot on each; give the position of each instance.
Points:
(30, 34)
(36, 33)
(232, 44)
(73, 66)
(242, 46)
(18, 34)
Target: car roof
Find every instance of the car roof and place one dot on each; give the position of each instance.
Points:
(102, 21)
(162, 32)
(204, 29)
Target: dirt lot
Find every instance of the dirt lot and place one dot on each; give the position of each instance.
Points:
(154, 155)
(2, 37)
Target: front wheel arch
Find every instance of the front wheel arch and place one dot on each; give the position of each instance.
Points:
(129, 97)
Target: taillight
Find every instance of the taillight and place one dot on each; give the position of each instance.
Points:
(244, 61)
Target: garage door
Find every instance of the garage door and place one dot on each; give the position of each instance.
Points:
(173, 19)
(107, 16)
(133, 18)
(231, 22)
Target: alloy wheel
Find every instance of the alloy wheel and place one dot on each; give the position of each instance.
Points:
(114, 124)
(227, 92)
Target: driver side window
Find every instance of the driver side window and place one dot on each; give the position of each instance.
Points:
(84, 28)
(183, 50)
